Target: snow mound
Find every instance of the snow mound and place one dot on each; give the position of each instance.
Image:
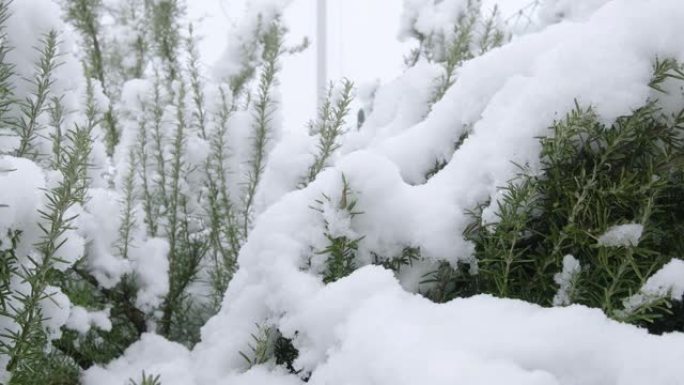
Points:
(367, 330)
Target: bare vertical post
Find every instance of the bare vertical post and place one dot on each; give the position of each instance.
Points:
(321, 49)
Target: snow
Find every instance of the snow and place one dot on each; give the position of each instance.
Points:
(286, 169)
(82, 320)
(72, 244)
(20, 201)
(480, 340)
(668, 282)
(369, 328)
(669, 279)
(55, 308)
(565, 280)
(366, 328)
(396, 106)
(23, 183)
(100, 224)
(150, 267)
(431, 18)
(153, 355)
(623, 235)
(31, 20)
(255, 16)
(556, 10)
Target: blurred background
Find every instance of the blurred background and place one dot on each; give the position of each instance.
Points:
(362, 45)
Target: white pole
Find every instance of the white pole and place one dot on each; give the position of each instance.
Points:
(322, 50)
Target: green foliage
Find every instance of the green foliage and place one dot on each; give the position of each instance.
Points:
(188, 206)
(473, 35)
(25, 343)
(263, 109)
(166, 39)
(458, 50)
(155, 202)
(57, 113)
(261, 347)
(131, 15)
(341, 250)
(269, 345)
(446, 282)
(665, 69)
(593, 176)
(84, 15)
(330, 125)
(285, 353)
(52, 369)
(128, 215)
(25, 346)
(199, 114)
(406, 258)
(27, 125)
(98, 346)
(225, 235)
(187, 247)
(147, 379)
(8, 267)
(6, 69)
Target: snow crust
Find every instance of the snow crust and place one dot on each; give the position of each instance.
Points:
(365, 328)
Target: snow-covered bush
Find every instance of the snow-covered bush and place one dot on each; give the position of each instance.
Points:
(157, 227)
(593, 176)
(124, 199)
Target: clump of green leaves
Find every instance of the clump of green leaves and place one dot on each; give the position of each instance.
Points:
(406, 258)
(341, 249)
(225, 235)
(330, 125)
(85, 16)
(593, 176)
(269, 345)
(6, 69)
(26, 345)
(166, 38)
(147, 379)
(263, 109)
(261, 347)
(27, 125)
